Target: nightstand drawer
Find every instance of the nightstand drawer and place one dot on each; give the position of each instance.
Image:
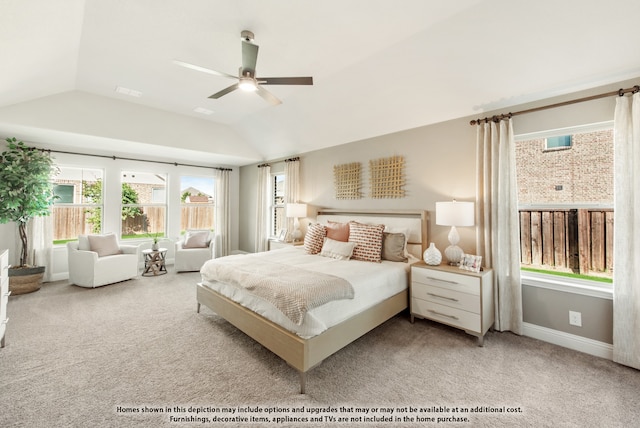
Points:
(446, 296)
(459, 282)
(446, 315)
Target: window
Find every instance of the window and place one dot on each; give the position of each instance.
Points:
(78, 208)
(277, 204)
(143, 204)
(196, 202)
(565, 202)
(558, 142)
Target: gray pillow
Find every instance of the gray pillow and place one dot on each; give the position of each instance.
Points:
(393, 247)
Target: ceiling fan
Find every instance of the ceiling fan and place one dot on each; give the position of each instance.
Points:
(246, 78)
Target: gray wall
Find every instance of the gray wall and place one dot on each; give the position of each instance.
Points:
(440, 165)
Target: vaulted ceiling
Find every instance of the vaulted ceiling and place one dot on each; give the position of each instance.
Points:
(379, 66)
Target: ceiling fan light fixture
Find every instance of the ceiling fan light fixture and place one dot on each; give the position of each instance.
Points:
(247, 84)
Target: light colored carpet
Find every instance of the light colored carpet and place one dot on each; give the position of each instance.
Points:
(86, 357)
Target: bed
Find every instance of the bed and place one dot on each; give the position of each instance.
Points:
(307, 345)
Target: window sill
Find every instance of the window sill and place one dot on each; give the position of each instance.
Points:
(567, 285)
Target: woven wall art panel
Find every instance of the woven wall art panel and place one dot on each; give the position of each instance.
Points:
(387, 177)
(347, 180)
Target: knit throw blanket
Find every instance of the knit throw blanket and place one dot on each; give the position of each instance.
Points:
(293, 290)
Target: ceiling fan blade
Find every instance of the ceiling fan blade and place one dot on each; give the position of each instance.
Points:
(225, 91)
(249, 58)
(203, 69)
(285, 80)
(268, 96)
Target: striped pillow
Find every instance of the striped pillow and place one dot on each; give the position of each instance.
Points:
(314, 238)
(368, 240)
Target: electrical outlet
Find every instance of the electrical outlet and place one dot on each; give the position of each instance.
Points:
(575, 318)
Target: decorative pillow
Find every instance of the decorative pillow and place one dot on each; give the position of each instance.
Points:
(393, 247)
(314, 239)
(104, 245)
(83, 243)
(338, 231)
(368, 240)
(404, 231)
(196, 239)
(337, 249)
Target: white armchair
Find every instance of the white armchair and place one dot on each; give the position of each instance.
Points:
(96, 260)
(193, 249)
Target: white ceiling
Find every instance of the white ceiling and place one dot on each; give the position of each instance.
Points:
(379, 66)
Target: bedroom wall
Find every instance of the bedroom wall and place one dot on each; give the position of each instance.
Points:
(440, 165)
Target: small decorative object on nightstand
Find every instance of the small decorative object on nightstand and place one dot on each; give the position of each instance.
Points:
(432, 256)
(454, 297)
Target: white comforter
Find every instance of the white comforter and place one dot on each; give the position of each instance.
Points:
(372, 283)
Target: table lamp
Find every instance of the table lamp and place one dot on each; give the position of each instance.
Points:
(296, 211)
(454, 214)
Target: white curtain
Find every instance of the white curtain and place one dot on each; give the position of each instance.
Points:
(498, 234)
(626, 246)
(40, 239)
(222, 218)
(292, 186)
(262, 209)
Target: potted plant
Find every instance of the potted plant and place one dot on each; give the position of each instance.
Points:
(155, 237)
(26, 191)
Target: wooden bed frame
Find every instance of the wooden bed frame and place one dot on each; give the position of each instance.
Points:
(305, 354)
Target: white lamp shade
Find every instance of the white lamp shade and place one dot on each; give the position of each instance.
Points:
(296, 210)
(455, 213)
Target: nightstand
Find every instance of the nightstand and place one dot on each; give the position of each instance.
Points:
(274, 244)
(452, 296)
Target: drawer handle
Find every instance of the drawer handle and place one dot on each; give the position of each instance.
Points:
(443, 297)
(443, 315)
(442, 280)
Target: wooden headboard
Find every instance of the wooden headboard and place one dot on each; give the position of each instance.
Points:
(411, 222)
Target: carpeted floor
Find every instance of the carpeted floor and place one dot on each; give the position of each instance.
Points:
(137, 354)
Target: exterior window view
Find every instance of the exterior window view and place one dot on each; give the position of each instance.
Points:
(565, 196)
(196, 203)
(144, 204)
(77, 209)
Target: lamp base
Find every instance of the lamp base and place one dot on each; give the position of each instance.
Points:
(454, 254)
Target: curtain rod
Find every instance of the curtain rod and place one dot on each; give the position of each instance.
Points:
(133, 159)
(499, 117)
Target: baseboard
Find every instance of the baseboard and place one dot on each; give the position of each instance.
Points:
(571, 341)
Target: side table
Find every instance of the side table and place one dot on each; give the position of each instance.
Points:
(154, 262)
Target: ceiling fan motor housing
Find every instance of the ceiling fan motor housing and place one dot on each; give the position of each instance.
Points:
(247, 36)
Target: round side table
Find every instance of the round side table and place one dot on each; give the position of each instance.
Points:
(154, 262)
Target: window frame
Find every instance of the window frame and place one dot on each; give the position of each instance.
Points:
(580, 286)
(274, 205)
(80, 204)
(211, 205)
(142, 205)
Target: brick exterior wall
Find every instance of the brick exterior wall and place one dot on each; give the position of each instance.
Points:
(584, 171)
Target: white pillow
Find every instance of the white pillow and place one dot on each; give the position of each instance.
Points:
(337, 249)
(104, 245)
(196, 239)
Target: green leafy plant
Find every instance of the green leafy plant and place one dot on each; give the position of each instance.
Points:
(26, 187)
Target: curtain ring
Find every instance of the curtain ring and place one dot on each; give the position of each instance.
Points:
(636, 89)
(621, 92)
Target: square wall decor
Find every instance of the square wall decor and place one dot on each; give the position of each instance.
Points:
(387, 177)
(347, 180)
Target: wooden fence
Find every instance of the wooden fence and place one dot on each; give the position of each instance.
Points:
(570, 240)
(69, 222)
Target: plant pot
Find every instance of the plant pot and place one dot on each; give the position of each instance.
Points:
(24, 280)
